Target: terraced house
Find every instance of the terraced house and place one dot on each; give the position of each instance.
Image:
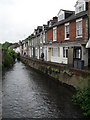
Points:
(68, 37)
(65, 38)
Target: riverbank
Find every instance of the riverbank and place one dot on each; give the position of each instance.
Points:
(62, 73)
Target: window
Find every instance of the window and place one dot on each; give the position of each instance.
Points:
(50, 24)
(54, 33)
(65, 52)
(32, 51)
(80, 7)
(36, 52)
(32, 42)
(25, 45)
(77, 53)
(43, 38)
(41, 50)
(55, 52)
(61, 15)
(67, 31)
(79, 28)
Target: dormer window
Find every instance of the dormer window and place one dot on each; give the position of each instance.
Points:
(50, 24)
(61, 15)
(80, 6)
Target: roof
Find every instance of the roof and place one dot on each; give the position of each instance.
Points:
(66, 11)
(72, 17)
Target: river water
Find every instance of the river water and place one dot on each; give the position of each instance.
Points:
(28, 94)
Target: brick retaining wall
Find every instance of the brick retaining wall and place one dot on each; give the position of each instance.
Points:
(63, 73)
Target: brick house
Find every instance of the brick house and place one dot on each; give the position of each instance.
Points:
(67, 38)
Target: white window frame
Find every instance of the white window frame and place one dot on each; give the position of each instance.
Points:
(78, 28)
(36, 52)
(55, 51)
(82, 5)
(67, 24)
(43, 37)
(65, 48)
(55, 34)
(32, 51)
(61, 15)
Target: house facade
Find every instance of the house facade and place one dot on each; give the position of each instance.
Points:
(65, 38)
(68, 37)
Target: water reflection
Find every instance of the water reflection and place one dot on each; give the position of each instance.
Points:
(28, 94)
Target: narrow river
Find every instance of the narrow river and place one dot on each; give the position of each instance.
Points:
(28, 94)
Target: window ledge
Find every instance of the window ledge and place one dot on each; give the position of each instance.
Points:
(54, 40)
(65, 58)
(79, 37)
(67, 39)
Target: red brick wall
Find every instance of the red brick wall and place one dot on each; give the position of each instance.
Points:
(49, 35)
(73, 30)
(61, 32)
(84, 28)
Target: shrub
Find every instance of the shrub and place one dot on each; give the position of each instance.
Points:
(9, 58)
(82, 98)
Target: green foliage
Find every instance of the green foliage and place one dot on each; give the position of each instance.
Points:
(9, 58)
(55, 70)
(48, 67)
(82, 98)
(6, 45)
(12, 53)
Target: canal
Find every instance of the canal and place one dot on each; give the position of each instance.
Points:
(28, 94)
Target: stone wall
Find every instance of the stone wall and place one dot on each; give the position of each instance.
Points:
(61, 73)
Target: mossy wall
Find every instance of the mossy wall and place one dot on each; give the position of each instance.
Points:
(62, 73)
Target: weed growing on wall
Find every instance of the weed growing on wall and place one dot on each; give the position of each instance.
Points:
(82, 98)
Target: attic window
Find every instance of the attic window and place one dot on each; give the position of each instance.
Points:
(50, 24)
(80, 7)
(61, 15)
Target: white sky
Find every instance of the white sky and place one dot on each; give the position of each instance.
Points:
(19, 18)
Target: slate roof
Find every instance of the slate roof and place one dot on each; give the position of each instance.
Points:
(72, 17)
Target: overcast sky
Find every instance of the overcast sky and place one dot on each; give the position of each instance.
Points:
(19, 18)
